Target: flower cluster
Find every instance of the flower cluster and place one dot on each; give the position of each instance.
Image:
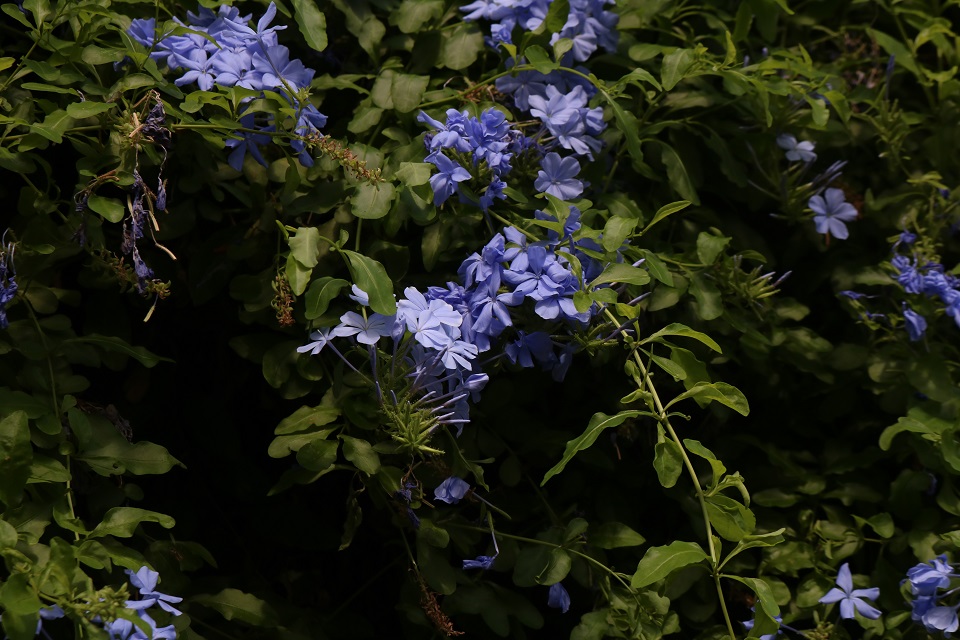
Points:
(588, 26)
(930, 279)
(8, 282)
(242, 56)
(145, 581)
(486, 143)
(929, 585)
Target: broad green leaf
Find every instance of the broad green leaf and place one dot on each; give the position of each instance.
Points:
(297, 275)
(369, 275)
(372, 201)
(361, 454)
(721, 392)
(432, 535)
(414, 174)
(657, 268)
(539, 564)
(818, 111)
(435, 568)
(598, 423)
(667, 459)
(312, 23)
(53, 126)
(675, 66)
(8, 535)
(710, 246)
(901, 53)
(540, 59)
(237, 605)
(461, 46)
(709, 299)
(113, 343)
(20, 605)
(112, 210)
(16, 454)
(122, 522)
(317, 455)
(284, 445)
(616, 230)
(766, 609)
(669, 366)
(407, 91)
(107, 452)
(619, 272)
(729, 518)
(44, 469)
(305, 246)
(666, 210)
(319, 295)
(659, 562)
(306, 417)
(613, 535)
(677, 329)
(412, 15)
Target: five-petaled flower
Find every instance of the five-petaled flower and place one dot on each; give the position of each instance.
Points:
(796, 150)
(831, 210)
(851, 599)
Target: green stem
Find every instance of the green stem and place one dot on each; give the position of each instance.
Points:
(701, 497)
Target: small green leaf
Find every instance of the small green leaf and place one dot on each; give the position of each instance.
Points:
(305, 246)
(665, 211)
(613, 535)
(721, 392)
(710, 246)
(667, 459)
(697, 449)
(87, 109)
(305, 418)
(361, 454)
(113, 343)
(767, 609)
(111, 210)
(677, 174)
(622, 273)
(616, 230)
(319, 295)
(312, 23)
(729, 518)
(540, 59)
(659, 562)
(318, 455)
(770, 539)
(297, 275)
(369, 275)
(16, 455)
(237, 605)
(677, 329)
(675, 66)
(407, 91)
(598, 423)
(122, 522)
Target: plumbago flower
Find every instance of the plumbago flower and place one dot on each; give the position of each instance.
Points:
(851, 599)
(831, 211)
(8, 282)
(796, 151)
(243, 56)
(929, 584)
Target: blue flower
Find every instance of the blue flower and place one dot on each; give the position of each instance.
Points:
(449, 174)
(749, 624)
(452, 490)
(8, 283)
(796, 151)
(558, 597)
(557, 176)
(320, 339)
(480, 562)
(851, 599)
(916, 324)
(942, 619)
(145, 580)
(831, 211)
(368, 330)
(926, 577)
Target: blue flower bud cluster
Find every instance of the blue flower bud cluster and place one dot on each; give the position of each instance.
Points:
(242, 56)
(8, 282)
(439, 333)
(929, 586)
(930, 279)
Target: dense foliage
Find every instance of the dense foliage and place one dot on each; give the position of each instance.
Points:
(516, 318)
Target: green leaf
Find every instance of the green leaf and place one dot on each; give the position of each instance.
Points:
(305, 246)
(107, 452)
(659, 562)
(613, 535)
(369, 275)
(432, 535)
(616, 230)
(361, 454)
(729, 518)
(317, 455)
(675, 66)
(312, 23)
(297, 275)
(111, 210)
(8, 535)
(666, 210)
(407, 91)
(627, 124)
(540, 59)
(667, 459)
(677, 329)
(113, 343)
(677, 174)
(307, 417)
(770, 539)
(901, 53)
(53, 126)
(87, 109)
(414, 174)
(697, 449)
(372, 201)
(710, 246)
(598, 423)
(319, 295)
(721, 392)
(539, 564)
(767, 609)
(412, 15)
(44, 469)
(122, 522)
(619, 272)
(21, 606)
(461, 46)
(16, 455)
(237, 605)
(656, 267)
